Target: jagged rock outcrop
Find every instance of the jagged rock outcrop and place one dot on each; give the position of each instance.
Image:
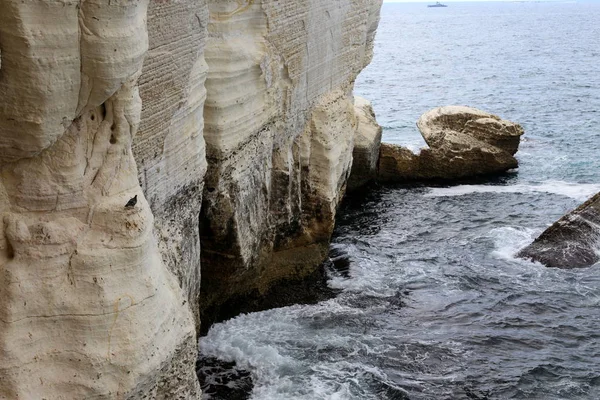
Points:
(279, 130)
(87, 308)
(571, 242)
(463, 142)
(367, 142)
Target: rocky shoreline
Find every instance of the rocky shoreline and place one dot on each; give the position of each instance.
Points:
(165, 165)
(572, 241)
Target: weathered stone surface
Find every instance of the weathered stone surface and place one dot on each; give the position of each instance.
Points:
(367, 142)
(461, 128)
(279, 130)
(463, 142)
(571, 242)
(169, 148)
(87, 308)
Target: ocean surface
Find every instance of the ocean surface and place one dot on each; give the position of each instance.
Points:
(434, 305)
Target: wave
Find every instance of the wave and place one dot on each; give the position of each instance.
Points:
(577, 191)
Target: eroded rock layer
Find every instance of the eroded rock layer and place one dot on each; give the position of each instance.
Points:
(279, 130)
(169, 147)
(367, 143)
(119, 120)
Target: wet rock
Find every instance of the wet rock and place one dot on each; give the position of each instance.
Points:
(223, 380)
(463, 142)
(310, 289)
(572, 241)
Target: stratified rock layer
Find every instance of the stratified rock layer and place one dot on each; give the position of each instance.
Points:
(571, 242)
(279, 129)
(169, 148)
(87, 308)
(463, 142)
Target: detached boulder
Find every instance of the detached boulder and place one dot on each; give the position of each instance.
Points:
(463, 142)
(571, 242)
(367, 141)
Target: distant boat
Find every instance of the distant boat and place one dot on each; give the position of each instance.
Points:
(438, 4)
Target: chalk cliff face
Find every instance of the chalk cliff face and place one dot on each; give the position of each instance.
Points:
(367, 143)
(87, 308)
(231, 121)
(279, 130)
(169, 147)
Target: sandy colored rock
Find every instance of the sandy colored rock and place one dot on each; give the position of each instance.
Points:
(463, 142)
(459, 127)
(571, 242)
(367, 142)
(87, 307)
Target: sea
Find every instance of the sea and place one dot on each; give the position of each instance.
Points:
(433, 303)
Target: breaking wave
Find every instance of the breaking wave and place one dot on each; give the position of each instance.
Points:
(577, 191)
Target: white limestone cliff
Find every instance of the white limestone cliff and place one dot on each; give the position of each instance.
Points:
(279, 130)
(233, 122)
(87, 309)
(169, 147)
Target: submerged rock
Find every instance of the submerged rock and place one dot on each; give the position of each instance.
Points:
(463, 142)
(572, 241)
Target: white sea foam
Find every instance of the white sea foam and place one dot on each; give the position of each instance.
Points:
(292, 352)
(509, 240)
(577, 191)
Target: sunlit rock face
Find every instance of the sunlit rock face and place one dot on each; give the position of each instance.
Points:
(279, 131)
(367, 142)
(87, 307)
